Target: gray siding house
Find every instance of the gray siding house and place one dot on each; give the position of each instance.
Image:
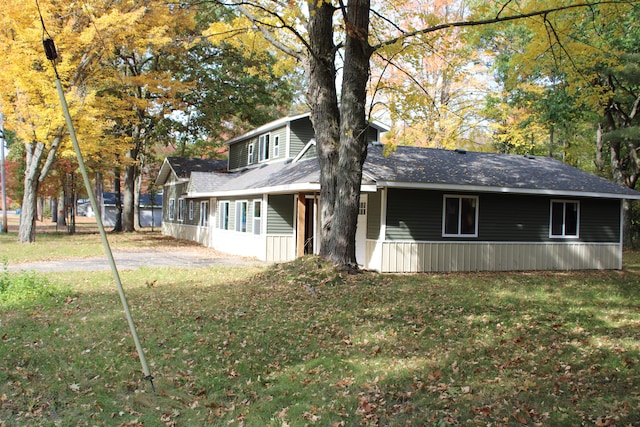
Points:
(420, 210)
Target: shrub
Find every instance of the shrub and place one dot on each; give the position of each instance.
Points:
(26, 288)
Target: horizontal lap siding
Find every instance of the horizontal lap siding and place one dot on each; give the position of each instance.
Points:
(301, 134)
(374, 204)
(280, 214)
(413, 215)
(417, 215)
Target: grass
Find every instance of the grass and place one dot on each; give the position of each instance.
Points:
(301, 344)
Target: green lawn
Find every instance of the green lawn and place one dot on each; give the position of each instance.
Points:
(300, 344)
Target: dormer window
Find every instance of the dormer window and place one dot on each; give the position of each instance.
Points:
(250, 157)
(263, 147)
(276, 147)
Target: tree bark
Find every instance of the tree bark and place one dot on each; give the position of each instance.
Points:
(128, 208)
(340, 130)
(353, 133)
(117, 228)
(325, 115)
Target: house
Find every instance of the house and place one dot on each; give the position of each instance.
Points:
(420, 210)
(150, 209)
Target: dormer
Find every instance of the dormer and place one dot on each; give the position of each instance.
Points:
(279, 140)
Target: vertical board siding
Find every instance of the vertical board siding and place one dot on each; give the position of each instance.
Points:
(411, 257)
(279, 248)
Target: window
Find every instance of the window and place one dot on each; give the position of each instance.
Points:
(172, 209)
(250, 157)
(362, 209)
(565, 218)
(190, 210)
(204, 214)
(241, 217)
(276, 147)
(263, 147)
(224, 215)
(180, 209)
(257, 216)
(460, 216)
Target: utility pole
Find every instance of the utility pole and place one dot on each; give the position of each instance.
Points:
(5, 227)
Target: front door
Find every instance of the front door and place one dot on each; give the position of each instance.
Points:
(309, 226)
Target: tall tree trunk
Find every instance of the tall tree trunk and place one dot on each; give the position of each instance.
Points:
(340, 131)
(34, 174)
(117, 228)
(27, 231)
(128, 212)
(353, 133)
(325, 115)
(61, 218)
(98, 192)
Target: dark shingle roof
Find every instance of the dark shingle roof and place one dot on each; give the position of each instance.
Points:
(486, 171)
(423, 168)
(183, 166)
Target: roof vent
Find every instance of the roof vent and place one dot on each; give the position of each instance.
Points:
(529, 156)
(461, 151)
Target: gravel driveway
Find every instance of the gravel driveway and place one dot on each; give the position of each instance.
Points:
(132, 259)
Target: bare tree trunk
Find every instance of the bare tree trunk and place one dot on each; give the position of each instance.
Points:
(27, 231)
(117, 228)
(340, 131)
(128, 212)
(33, 176)
(325, 115)
(61, 218)
(99, 190)
(353, 133)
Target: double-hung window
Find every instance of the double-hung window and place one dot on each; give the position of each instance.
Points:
(180, 209)
(204, 214)
(190, 210)
(241, 217)
(250, 155)
(460, 216)
(257, 216)
(263, 147)
(276, 147)
(172, 209)
(223, 213)
(565, 219)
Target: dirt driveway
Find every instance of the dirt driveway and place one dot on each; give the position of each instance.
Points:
(129, 260)
(190, 256)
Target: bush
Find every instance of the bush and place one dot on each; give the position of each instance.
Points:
(26, 288)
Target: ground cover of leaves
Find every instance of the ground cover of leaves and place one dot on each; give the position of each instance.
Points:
(303, 344)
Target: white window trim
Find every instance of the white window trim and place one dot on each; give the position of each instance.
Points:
(190, 210)
(276, 146)
(204, 213)
(564, 235)
(444, 214)
(257, 230)
(172, 209)
(263, 149)
(181, 209)
(250, 154)
(224, 214)
(238, 222)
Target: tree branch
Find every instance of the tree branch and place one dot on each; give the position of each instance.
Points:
(495, 20)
